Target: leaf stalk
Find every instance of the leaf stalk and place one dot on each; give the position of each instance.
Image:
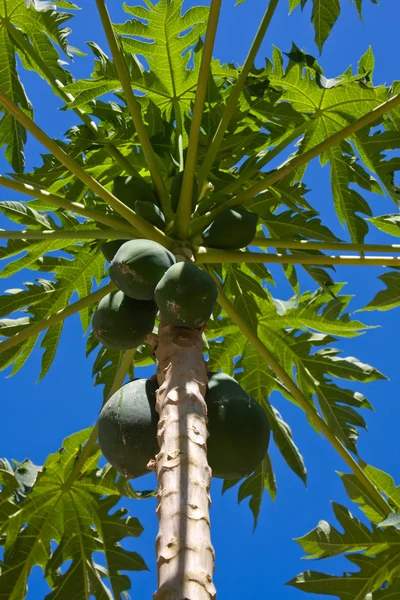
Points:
(235, 93)
(35, 191)
(134, 108)
(205, 256)
(182, 220)
(73, 308)
(140, 224)
(61, 234)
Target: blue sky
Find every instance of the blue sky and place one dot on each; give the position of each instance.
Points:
(37, 416)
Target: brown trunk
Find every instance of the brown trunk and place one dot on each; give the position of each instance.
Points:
(185, 556)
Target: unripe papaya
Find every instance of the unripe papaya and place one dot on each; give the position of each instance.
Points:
(232, 229)
(176, 191)
(110, 249)
(238, 427)
(132, 188)
(186, 295)
(128, 428)
(138, 266)
(151, 213)
(121, 322)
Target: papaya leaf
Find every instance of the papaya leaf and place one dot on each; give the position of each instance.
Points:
(283, 439)
(375, 551)
(73, 514)
(255, 485)
(326, 541)
(387, 223)
(41, 26)
(389, 297)
(324, 16)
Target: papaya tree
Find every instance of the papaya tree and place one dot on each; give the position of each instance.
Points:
(157, 218)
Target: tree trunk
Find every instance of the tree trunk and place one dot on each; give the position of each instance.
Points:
(185, 556)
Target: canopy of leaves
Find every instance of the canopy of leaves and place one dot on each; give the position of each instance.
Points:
(57, 517)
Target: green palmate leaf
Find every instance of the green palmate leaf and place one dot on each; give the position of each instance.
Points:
(389, 297)
(326, 541)
(160, 34)
(73, 514)
(324, 16)
(171, 35)
(44, 298)
(254, 486)
(243, 289)
(316, 311)
(349, 204)
(40, 26)
(106, 365)
(337, 408)
(289, 225)
(372, 574)
(283, 438)
(385, 484)
(388, 223)
(374, 551)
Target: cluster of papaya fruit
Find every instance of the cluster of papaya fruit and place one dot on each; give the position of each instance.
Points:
(149, 280)
(238, 427)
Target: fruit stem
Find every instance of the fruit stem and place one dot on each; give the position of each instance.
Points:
(374, 496)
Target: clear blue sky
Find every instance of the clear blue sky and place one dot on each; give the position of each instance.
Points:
(36, 417)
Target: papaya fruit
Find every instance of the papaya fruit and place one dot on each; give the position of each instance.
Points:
(232, 229)
(128, 428)
(151, 213)
(186, 295)
(109, 249)
(132, 188)
(238, 427)
(176, 187)
(121, 322)
(138, 266)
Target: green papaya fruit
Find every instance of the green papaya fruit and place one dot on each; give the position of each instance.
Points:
(110, 249)
(186, 295)
(176, 187)
(232, 229)
(151, 213)
(128, 428)
(121, 322)
(132, 188)
(238, 426)
(138, 266)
